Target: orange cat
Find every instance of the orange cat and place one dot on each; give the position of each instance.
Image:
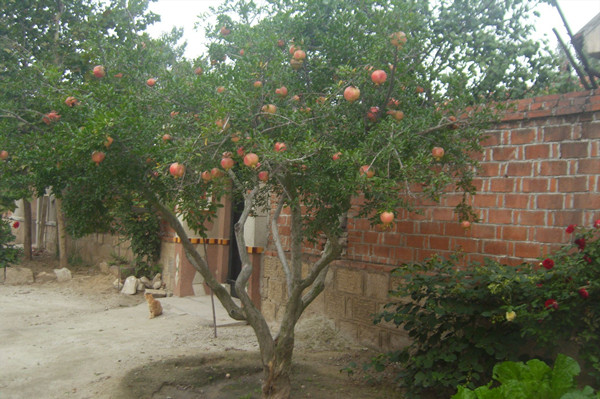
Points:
(153, 305)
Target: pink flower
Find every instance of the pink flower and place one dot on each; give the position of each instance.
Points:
(548, 263)
(583, 292)
(16, 225)
(570, 228)
(551, 303)
(597, 224)
(580, 243)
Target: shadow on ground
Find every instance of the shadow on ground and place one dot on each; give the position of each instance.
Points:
(237, 375)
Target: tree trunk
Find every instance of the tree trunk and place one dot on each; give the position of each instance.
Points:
(62, 235)
(276, 382)
(27, 233)
(41, 222)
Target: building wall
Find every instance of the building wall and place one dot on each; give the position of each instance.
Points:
(539, 172)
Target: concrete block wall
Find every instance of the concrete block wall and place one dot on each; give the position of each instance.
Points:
(539, 172)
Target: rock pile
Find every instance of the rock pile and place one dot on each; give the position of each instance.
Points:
(132, 285)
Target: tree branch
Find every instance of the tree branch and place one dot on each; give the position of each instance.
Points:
(277, 239)
(196, 259)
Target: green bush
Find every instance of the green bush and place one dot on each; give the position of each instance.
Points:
(462, 321)
(531, 380)
(8, 252)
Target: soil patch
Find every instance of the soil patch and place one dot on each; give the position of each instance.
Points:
(237, 375)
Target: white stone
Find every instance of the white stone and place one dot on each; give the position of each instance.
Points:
(63, 274)
(157, 293)
(104, 268)
(147, 283)
(140, 286)
(157, 285)
(118, 284)
(43, 277)
(17, 275)
(130, 286)
(156, 278)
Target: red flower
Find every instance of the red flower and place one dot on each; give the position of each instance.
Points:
(539, 285)
(587, 259)
(570, 228)
(551, 303)
(597, 224)
(583, 292)
(16, 225)
(580, 243)
(548, 263)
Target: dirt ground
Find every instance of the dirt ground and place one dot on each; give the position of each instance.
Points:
(83, 339)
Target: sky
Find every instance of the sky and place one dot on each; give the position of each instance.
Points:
(183, 13)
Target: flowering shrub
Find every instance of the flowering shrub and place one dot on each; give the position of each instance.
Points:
(8, 253)
(463, 321)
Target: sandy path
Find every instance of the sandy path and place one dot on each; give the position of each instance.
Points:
(71, 340)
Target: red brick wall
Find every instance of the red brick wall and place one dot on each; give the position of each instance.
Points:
(540, 171)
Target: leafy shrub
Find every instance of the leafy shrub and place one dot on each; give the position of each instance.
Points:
(534, 379)
(8, 252)
(463, 321)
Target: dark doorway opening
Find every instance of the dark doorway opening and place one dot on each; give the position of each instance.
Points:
(235, 262)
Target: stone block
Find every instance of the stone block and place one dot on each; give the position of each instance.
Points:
(276, 291)
(349, 281)
(63, 274)
(156, 293)
(17, 275)
(377, 285)
(44, 277)
(363, 310)
(130, 286)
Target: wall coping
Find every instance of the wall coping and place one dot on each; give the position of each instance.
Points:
(553, 105)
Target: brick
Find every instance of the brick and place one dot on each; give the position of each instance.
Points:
(575, 109)
(504, 153)
(548, 234)
(519, 169)
(574, 150)
(381, 252)
(586, 201)
(567, 217)
(392, 239)
(370, 237)
(588, 166)
(502, 185)
(500, 216)
(539, 113)
(465, 244)
(558, 133)
(591, 107)
(495, 247)
(430, 228)
(442, 243)
(522, 136)
(513, 116)
(491, 139)
(483, 231)
(590, 130)
(403, 254)
(532, 218)
(443, 214)
(514, 233)
(553, 168)
(415, 241)
(572, 184)
(537, 151)
(573, 94)
(550, 201)
(489, 169)
(527, 250)
(516, 201)
(535, 185)
(485, 200)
